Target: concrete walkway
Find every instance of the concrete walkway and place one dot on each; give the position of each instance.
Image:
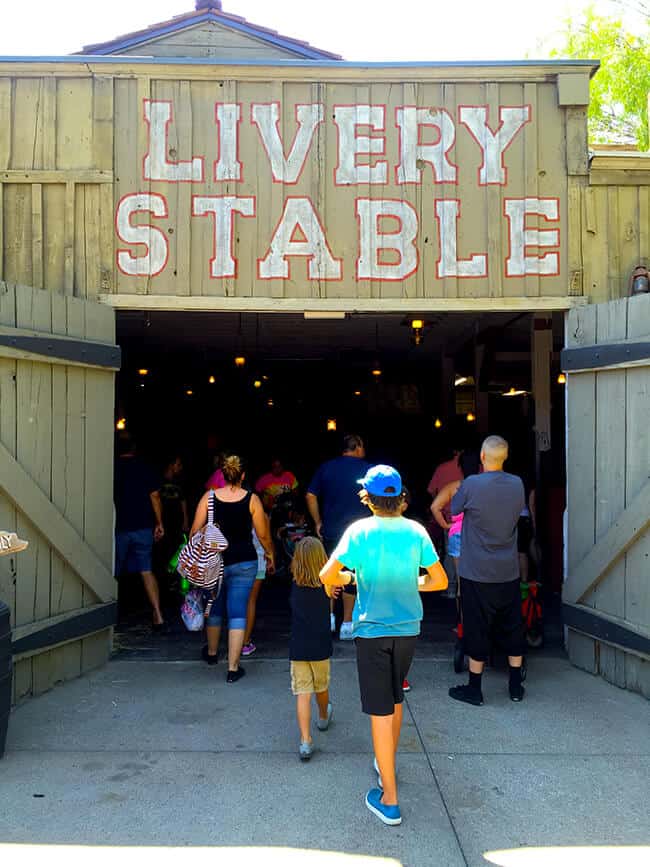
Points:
(168, 755)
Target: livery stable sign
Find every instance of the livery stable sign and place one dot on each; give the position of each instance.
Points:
(337, 197)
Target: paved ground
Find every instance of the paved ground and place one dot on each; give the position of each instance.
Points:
(166, 754)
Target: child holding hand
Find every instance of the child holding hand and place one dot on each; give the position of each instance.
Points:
(310, 645)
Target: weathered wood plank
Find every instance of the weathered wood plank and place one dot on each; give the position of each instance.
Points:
(37, 236)
(611, 546)
(68, 238)
(29, 498)
(581, 445)
(6, 86)
(178, 303)
(56, 176)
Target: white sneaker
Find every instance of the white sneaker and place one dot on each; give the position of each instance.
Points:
(332, 622)
(324, 724)
(346, 632)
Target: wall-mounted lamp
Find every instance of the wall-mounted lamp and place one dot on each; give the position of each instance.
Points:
(640, 281)
(212, 380)
(331, 424)
(189, 392)
(376, 371)
(417, 325)
(437, 424)
(514, 392)
(470, 416)
(461, 380)
(240, 361)
(257, 383)
(121, 424)
(143, 371)
(561, 380)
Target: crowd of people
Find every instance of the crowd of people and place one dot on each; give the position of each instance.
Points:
(360, 547)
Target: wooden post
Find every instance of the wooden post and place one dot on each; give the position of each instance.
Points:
(542, 352)
(447, 396)
(481, 397)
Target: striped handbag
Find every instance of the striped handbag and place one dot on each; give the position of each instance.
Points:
(201, 560)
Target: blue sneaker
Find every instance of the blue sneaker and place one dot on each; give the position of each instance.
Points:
(388, 815)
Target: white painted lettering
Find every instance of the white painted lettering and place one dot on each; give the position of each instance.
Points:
(153, 261)
(410, 120)
(518, 264)
(267, 118)
(223, 209)
(351, 145)
(158, 115)
(299, 219)
(494, 144)
(449, 265)
(375, 240)
(228, 117)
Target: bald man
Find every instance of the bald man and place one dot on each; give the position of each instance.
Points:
(489, 568)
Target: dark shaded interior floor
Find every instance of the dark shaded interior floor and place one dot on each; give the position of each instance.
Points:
(134, 638)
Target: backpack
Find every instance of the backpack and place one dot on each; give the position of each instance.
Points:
(201, 560)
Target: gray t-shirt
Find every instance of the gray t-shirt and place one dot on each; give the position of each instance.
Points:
(491, 503)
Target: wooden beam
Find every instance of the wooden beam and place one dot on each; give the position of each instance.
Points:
(605, 627)
(620, 537)
(542, 349)
(129, 67)
(63, 628)
(58, 349)
(61, 535)
(178, 303)
(56, 176)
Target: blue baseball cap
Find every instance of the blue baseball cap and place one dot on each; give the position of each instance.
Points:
(382, 481)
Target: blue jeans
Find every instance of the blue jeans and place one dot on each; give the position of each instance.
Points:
(238, 580)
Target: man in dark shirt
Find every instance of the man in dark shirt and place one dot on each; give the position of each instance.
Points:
(489, 568)
(333, 503)
(137, 504)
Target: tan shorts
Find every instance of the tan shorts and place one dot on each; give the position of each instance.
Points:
(308, 677)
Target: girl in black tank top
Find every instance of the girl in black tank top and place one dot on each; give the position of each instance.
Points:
(236, 524)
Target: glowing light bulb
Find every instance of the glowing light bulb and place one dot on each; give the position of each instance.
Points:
(257, 383)
(189, 392)
(121, 424)
(471, 416)
(561, 380)
(437, 423)
(331, 424)
(212, 380)
(376, 371)
(143, 371)
(240, 361)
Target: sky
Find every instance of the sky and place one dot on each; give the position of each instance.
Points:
(374, 30)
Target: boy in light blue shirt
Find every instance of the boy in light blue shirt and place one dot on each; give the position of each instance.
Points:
(386, 553)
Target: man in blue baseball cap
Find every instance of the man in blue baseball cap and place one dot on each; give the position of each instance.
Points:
(386, 553)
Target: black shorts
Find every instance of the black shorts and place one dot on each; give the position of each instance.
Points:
(491, 609)
(383, 663)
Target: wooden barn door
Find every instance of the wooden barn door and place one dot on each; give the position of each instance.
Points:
(57, 368)
(607, 582)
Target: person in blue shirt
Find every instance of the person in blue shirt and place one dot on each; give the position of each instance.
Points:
(386, 553)
(333, 503)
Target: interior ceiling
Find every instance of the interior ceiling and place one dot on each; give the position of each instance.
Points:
(283, 336)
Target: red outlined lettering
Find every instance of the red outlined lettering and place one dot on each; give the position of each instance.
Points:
(150, 237)
(488, 140)
(195, 167)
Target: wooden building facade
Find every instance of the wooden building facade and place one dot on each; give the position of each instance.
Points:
(232, 169)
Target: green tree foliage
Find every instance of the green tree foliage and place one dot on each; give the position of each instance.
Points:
(620, 89)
